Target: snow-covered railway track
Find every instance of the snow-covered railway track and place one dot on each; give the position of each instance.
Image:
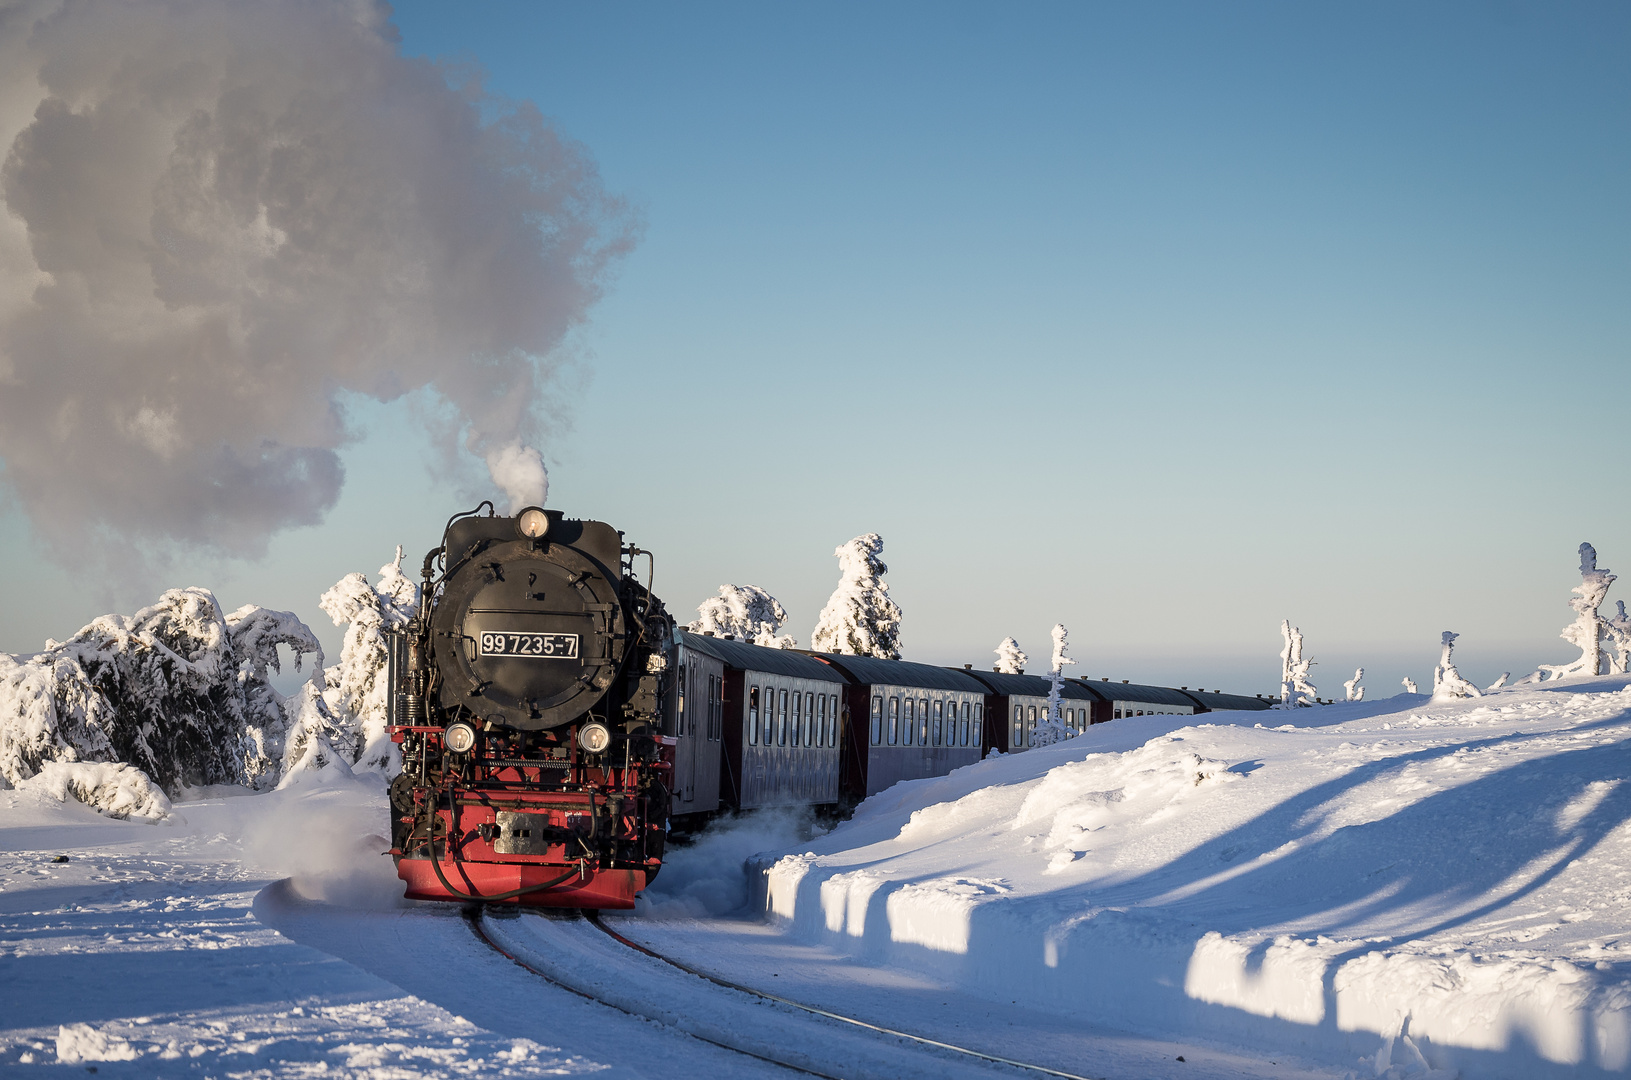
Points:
(579, 954)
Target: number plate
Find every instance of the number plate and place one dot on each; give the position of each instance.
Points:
(542, 646)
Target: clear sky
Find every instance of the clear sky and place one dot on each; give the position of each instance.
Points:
(1166, 321)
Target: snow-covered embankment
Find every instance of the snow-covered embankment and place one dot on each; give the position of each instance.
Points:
(1406, 884)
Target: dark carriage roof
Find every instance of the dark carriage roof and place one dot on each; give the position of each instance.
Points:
(1153, 695)
(1221, 702)
(870, 670)
(745, 656)
(1028, 685)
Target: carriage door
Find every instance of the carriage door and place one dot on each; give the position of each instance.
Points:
(689, 719)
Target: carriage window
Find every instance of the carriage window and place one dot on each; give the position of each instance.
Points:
(719, 709)
(877, 720)
(832, 721)
(939, 712)
(798, 719)
(781, 718)
(922, 723)
(1031, 719)
(894, 720)
(821, 721)
(679, 704)
(909, 723)
(1019, 725)
(770, 714)
(974, 732)
(753, 716)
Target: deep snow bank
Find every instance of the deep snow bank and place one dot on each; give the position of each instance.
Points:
(1402, 884)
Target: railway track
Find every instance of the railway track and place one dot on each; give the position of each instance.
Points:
(574, 952)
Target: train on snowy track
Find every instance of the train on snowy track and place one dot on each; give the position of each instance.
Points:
(553, 718)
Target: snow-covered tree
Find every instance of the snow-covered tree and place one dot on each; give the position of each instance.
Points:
(1010, 659)
(860, 619)
(1447, 681)
(1588, 629)
(1498, 683)
(745, 612)
(1409, 685)
(178, 690)
(1619, 632)
(1295, 689)
(1053, 729)
(353, 712)
(1355, 692)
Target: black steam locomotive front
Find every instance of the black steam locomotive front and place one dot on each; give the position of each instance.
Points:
(525, 699)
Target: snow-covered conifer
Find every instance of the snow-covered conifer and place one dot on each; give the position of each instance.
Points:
(1355, 692)
(860, 619)
(1010, 659)
(1588, 629)
(1295, 689)
(1053, 729)
(745, 612)
(358, 697)
(178, 691)
(1447, 681)
(1409, 685)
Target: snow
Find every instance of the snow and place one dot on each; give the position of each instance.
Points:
(1295, 689)
(111, 788)
(1447, 681)
(1011, 659)
(1052, 728)
(1352, 691)
(1384, 888)
(1588, 629)
(860, 619)
(746, 613)
(178, 690)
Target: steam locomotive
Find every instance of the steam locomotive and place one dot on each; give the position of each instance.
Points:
(525, 696)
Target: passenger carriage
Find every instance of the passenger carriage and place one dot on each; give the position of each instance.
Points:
(782, 724)
(909, 721)
(1016, 703)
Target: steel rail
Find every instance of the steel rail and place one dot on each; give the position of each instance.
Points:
(473, 917)
(594, 919)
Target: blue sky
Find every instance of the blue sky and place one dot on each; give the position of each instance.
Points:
(1166, 321)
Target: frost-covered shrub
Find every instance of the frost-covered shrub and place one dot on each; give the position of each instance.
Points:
(860, 619)
(1588, 629)
(1353, 690)
(1052, 729)
(177, 690)
(1447, 681)
(1011, 659)
(350, 716)
(1409, 685)
(745, 612)
(1295, 689)
(111, 788)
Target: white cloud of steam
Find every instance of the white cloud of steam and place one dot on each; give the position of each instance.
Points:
(519, 472)
(216, 219)
(710, 876)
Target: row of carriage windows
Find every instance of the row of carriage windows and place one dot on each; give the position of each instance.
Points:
(791, 718)
(713, 707)
(919, 721)
(1026, 716)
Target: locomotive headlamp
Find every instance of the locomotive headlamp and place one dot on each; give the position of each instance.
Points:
(594, 737)
(532, 523)
(459, 737)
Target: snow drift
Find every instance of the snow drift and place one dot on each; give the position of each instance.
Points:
(1411, 885)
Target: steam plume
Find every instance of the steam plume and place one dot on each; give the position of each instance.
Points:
(221, 217)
